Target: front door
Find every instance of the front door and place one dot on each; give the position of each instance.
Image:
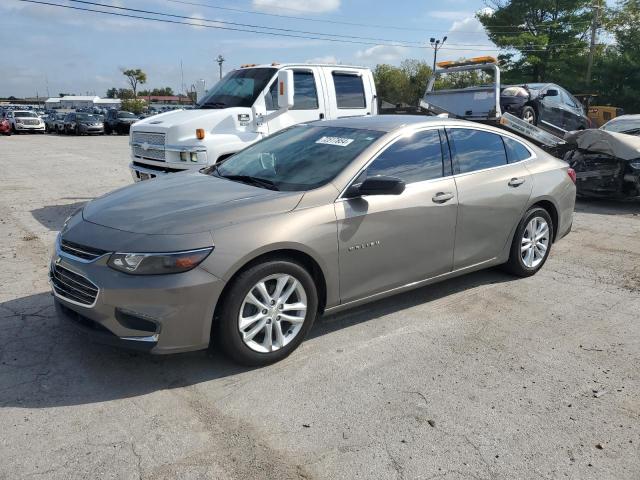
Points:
(307, 103)
(387, 241)
(492, 194)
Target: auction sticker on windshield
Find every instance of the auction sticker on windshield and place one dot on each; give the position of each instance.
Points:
(338, 141)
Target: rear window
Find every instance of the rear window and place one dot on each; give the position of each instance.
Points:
(349, 90)
(476, 149)
(516, 152)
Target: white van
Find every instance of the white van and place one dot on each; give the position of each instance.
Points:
(246, 105)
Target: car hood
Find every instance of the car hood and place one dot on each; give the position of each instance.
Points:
(184, 203)
(222, 120)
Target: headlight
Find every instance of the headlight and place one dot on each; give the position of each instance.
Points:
(158, 263)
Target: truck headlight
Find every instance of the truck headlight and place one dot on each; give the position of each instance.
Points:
(189, 156)
(158, 263)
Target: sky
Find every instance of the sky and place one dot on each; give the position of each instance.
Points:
(47, 50)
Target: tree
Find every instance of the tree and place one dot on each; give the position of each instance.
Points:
(135, 105)
(162, 92)
(112, 93)
(402, 85)
(135, 77)
(544, 33)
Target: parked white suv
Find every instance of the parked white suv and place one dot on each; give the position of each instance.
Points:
(25, 121)
(246, 105)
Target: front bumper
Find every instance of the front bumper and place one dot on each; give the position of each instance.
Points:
(91, 129)
(155, 313)
(29, 128)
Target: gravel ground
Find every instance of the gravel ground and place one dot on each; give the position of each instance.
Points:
(481, 377)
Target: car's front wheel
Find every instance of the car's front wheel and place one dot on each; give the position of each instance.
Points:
(531, 243)
(267, 312)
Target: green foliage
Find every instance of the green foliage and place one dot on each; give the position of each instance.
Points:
(135, 76)
(164, 92)
(135, 105)
(112, 93)
(402, 85)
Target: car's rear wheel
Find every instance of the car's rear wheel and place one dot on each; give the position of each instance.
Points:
(529, 115)
(267, 312)
(531, 243)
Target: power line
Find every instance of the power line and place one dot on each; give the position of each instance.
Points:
(339, 22)
(219, 27)
(248, 25)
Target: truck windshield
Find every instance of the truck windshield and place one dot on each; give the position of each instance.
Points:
(297, 159)
(239, 88)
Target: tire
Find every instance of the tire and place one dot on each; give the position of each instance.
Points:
(529, 115)
(526, 263)
(252, 352)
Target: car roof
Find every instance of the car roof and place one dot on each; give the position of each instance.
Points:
(390, 123)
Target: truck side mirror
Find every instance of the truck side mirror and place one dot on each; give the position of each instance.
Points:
(285, 89)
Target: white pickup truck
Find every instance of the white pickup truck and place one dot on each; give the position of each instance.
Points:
(246, 105)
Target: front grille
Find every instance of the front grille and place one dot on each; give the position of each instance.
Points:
(157, 168)
(151, 153)
(154, 143)
(30, 122)
(73, 287)
(153, 139)
(81, 251)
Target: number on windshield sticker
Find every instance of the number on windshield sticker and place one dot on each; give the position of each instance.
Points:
(338, 141)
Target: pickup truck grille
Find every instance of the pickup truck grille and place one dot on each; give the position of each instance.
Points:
(73, 287)
(154, 143)
(30, 121)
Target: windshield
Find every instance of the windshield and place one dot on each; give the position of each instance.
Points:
(86, 117)
(126, 115)
(238, 88)
(297, 159)
(623, 125)
(24, 115)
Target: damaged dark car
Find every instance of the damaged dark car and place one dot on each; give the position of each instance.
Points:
(545, 105)
(607, 163)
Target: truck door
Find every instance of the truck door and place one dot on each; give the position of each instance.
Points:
(350, 94)
(308, 104)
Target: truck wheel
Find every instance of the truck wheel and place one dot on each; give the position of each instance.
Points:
(529, 115)
(267, 312)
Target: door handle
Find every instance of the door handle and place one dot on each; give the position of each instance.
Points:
(321, 116)
(442, 197)
(516, 182)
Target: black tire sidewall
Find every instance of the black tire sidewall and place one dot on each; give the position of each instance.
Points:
(516, 264)
(227, 334)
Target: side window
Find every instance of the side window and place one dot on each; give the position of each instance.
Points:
(476, 149)
(516, 152)
(411, 159)
(568, 99)
(305, 96)
(349, 90)
(553, 100)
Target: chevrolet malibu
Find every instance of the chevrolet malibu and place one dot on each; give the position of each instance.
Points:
(317, 218)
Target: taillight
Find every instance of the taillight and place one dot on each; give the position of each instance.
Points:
(572, 174)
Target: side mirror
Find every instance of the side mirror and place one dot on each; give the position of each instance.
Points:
(552, 92)
(285, 89)
(380, 185)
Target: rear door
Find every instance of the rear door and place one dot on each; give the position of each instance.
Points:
(387, 241)
(492, 193)
(350, 94)
(552, 113)
(308, 105)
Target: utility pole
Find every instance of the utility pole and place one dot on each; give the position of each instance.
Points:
(592, 44)
(437, 45)
(220, 61)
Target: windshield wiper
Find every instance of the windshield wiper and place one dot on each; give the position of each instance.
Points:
(256, 181)
(214, 105)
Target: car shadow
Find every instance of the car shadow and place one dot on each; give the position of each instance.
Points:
(608, 207)
(45, 362)
(53, 216)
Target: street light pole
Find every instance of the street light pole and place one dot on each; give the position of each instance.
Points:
(437, 45)
(220, 61)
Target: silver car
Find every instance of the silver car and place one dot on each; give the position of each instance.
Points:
(317, 218)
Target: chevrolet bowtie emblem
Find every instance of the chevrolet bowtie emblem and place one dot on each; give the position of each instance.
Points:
(145, 146)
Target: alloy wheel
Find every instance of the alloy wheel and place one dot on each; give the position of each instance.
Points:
(535, 242)
(272, 313)
(528, 117)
